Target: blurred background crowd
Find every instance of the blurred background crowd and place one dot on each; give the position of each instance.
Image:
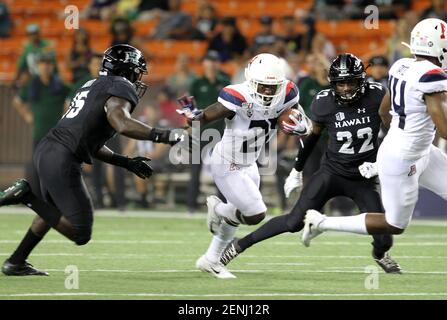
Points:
(193, 47)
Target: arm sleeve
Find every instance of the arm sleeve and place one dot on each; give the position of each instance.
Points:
(292, 95)
(305, 151)
(125, 90)
(433, 81)
(315, 113)
(231, 99)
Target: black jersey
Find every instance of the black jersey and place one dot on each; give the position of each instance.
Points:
(84, 128)
(353, 129)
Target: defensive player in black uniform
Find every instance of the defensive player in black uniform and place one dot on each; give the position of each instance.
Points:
(350, 113)
(100, 109)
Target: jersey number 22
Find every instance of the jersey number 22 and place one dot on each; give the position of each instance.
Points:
(367, 145)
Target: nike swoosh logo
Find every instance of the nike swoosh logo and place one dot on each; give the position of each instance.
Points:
(215, 270)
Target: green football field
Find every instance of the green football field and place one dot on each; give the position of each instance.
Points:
(151, 255)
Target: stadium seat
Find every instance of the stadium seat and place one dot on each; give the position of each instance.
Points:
(95, 28)
(354, 28)
(251, 8)
(169, 48)
(143, 28)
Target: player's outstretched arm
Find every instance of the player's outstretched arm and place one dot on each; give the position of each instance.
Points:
(437, 108)
(384, 110)
(212, 113)
(137, 165)
(215, 112)
(118, 115)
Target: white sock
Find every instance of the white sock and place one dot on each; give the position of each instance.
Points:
(353, 224)
(228, 211)
(220, 241)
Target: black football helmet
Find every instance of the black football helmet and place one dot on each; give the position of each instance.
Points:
(347, 68)
(128, 62)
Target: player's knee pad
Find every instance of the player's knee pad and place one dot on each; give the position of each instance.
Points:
(252, 220)
(83, 235)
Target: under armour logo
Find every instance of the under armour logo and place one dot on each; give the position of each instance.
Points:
(179, 137)
(361, 110)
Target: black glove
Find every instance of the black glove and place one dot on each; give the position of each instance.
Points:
(162, 136)
(139, 166)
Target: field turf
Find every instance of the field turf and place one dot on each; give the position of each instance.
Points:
(151, 255)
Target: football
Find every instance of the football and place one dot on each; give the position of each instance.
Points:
(284, 118)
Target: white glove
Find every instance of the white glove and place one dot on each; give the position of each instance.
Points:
(294, 180)
(368, 169)
(189, 108)
(302, 125)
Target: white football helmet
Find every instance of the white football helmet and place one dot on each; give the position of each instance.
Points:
(266, 78)
(429, 38)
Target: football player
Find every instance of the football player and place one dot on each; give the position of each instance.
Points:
(415, 110)
(101, 108)
(250, 110)
(349, 110)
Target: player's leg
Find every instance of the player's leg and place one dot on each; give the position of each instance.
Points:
(314, 195)
(399, 190)
(434, 177)
(16, 264)
(20, 192)
(70, 195)
(240, 186)
(244, 200)
(367, 197)
(64, 192)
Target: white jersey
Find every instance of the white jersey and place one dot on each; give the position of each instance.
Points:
(412, 129)
(252, 125)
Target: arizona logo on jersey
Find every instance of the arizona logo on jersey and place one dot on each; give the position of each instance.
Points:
(249, 108)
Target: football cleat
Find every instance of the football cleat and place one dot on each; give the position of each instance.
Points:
(217, 269)
(21, 269)
(388, 264)
(311, 221)
(230, 252)
(14, 194)
(213, 220)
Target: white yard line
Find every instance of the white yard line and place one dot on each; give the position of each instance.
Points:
(279, 243)
(110, 241)
(240, 271)
(183, 215)
(149, 255)
(118, 214)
